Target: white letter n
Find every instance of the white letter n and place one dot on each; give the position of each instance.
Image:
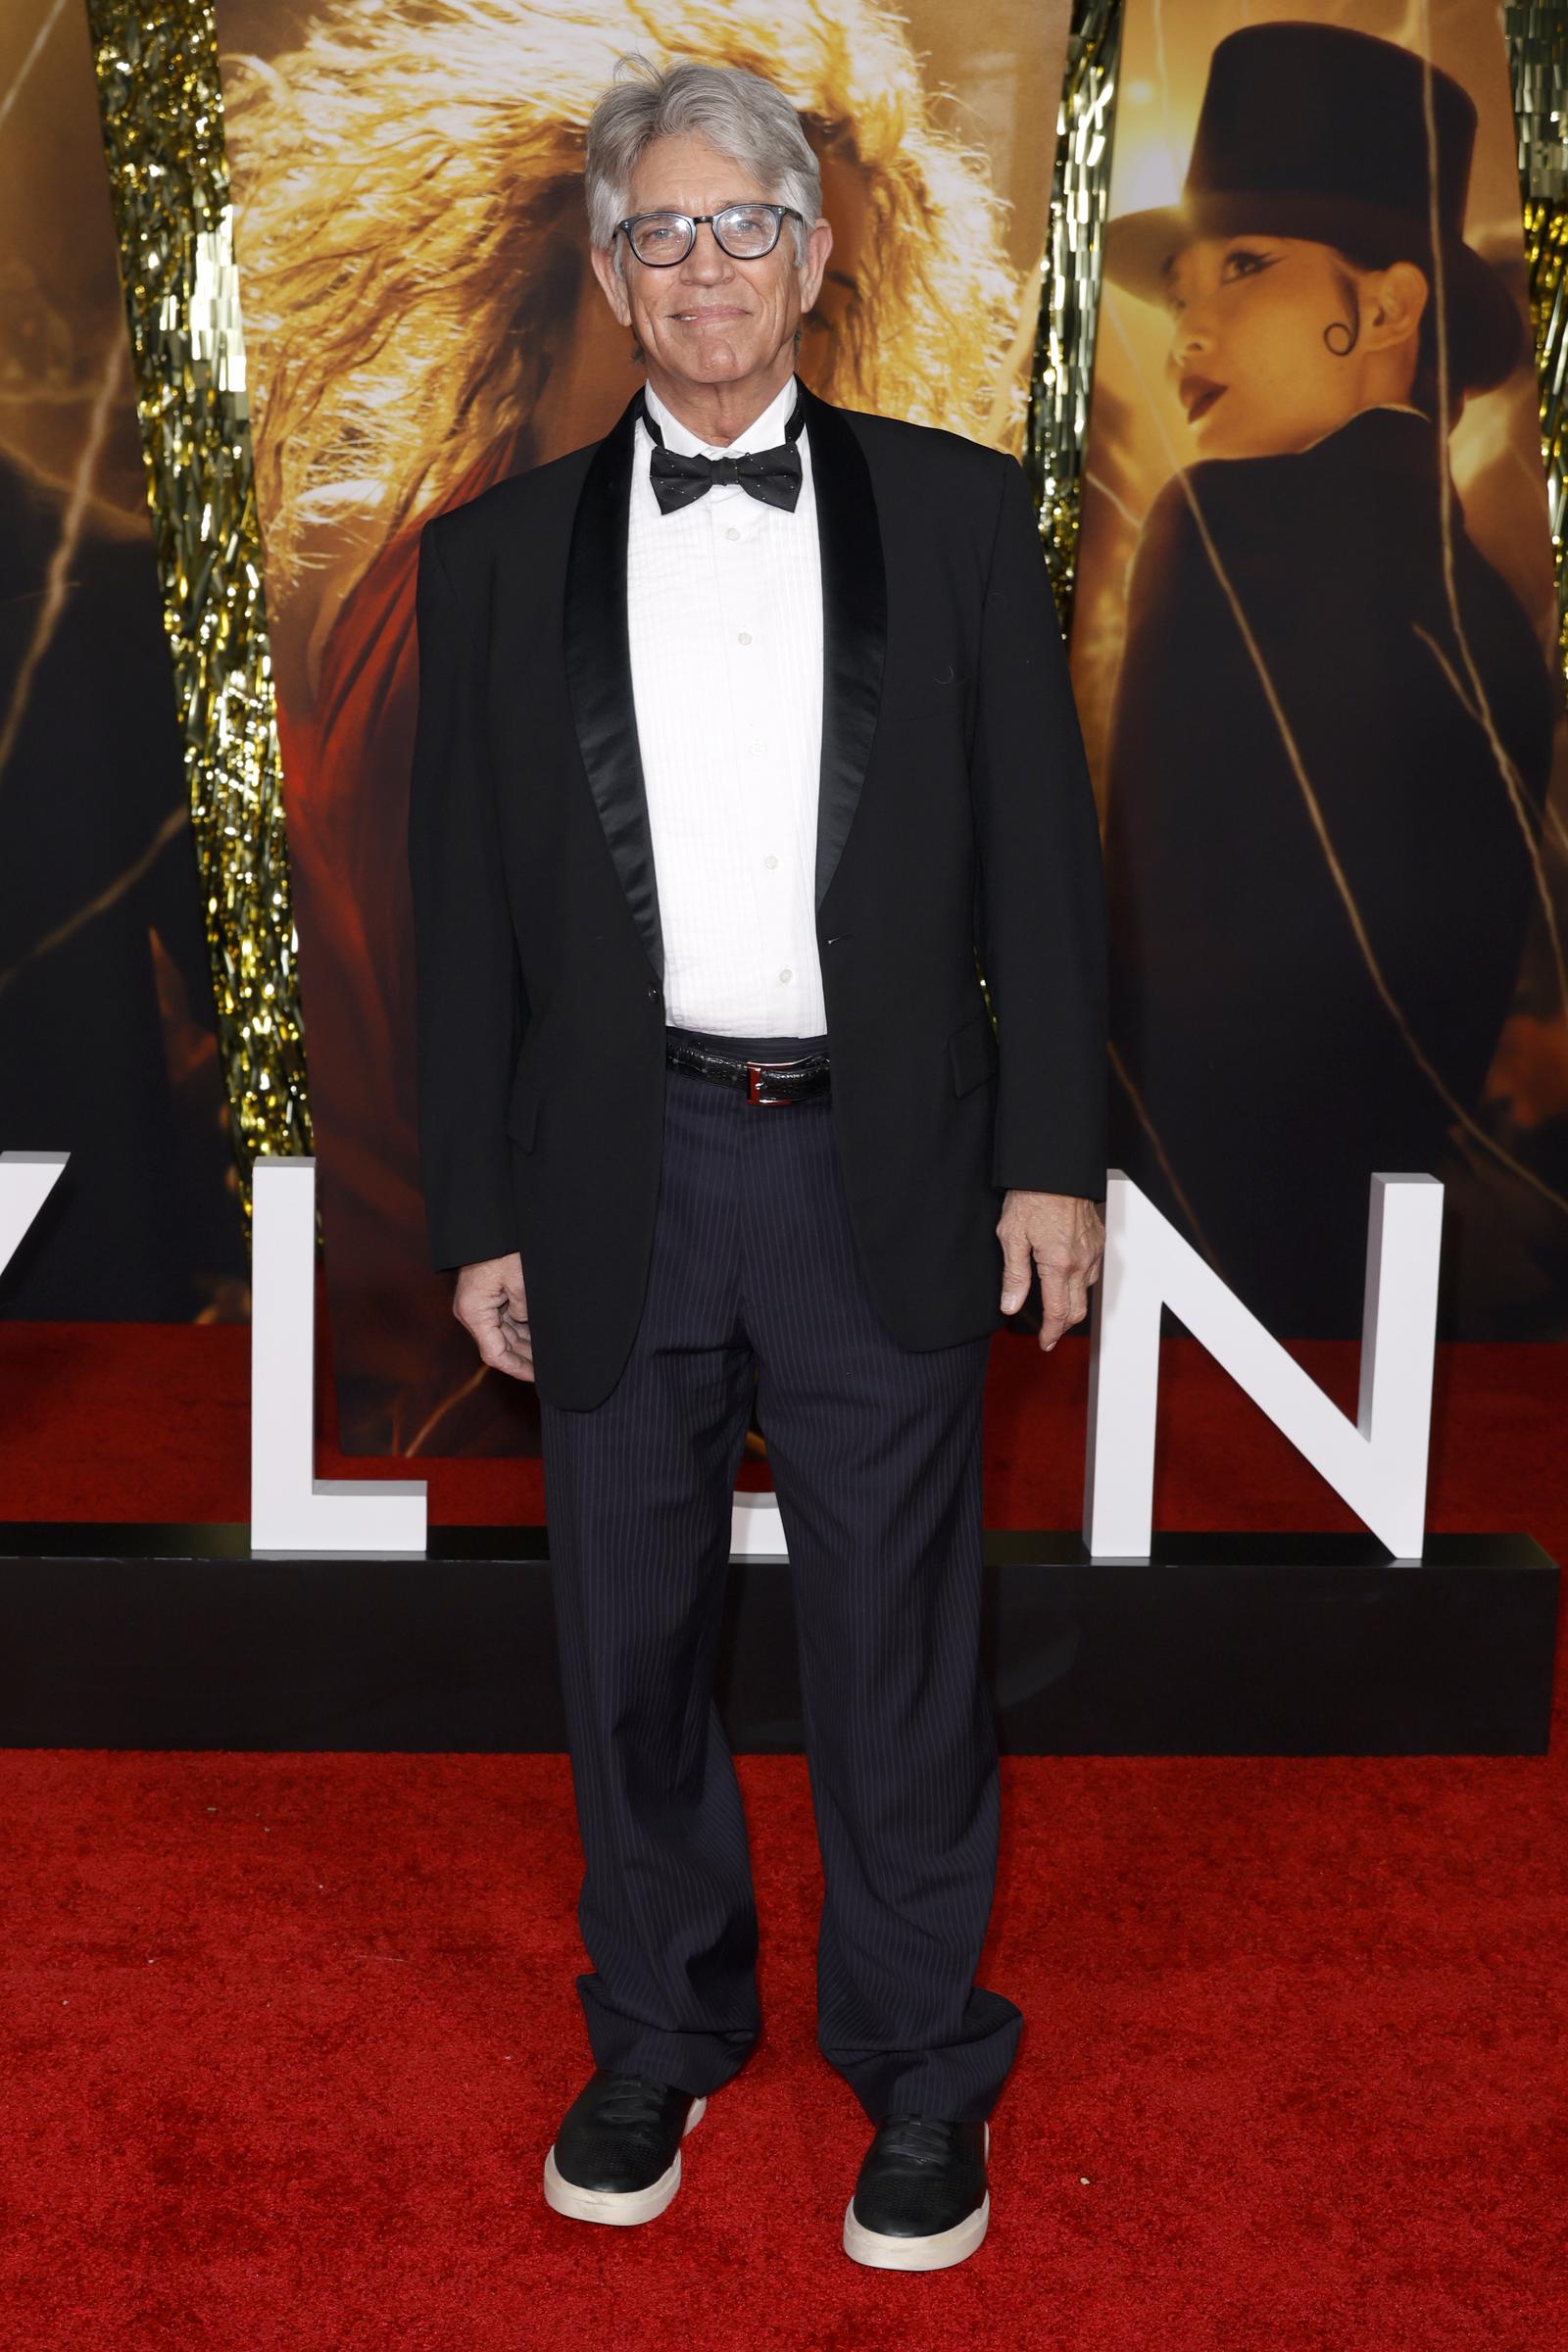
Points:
(1377, 1466)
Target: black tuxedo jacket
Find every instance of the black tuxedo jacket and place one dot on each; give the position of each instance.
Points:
(955, 817)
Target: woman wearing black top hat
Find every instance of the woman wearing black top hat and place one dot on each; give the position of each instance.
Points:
(1332, 721)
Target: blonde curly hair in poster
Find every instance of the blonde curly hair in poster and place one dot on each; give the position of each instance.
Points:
(408, 195)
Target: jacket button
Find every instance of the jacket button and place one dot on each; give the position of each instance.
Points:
(652, 987)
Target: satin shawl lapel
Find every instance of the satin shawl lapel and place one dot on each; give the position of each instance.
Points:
(597, 652)
(854, 624)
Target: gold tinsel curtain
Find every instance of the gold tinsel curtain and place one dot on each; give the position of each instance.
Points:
(163, 123)
(1537, 33)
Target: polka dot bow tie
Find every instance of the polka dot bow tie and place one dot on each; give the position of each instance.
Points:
(770, 474)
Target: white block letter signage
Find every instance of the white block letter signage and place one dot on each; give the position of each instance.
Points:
(291, 1510)
(26, 1180)
(1377, 1466)
(756, 1530)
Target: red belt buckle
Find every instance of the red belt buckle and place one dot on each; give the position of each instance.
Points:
(754, 1074)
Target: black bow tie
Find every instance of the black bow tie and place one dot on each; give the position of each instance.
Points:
(771, 474)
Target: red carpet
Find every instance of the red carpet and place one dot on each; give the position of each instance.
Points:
(284, 2039)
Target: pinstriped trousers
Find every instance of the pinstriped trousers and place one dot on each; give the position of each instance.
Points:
(875, 1455)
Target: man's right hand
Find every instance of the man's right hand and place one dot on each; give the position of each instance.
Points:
(491, 1303)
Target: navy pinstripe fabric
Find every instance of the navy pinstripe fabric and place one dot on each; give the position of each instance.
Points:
(875, 1452)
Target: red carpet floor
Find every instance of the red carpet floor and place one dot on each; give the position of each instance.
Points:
(282, 2039)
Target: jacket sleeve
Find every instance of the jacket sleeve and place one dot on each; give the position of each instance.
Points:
(1041, 889)
(469, 1005)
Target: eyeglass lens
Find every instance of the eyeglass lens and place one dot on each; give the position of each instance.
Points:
(745, 232)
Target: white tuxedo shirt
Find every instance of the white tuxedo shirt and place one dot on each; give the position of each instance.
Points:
(724, 607)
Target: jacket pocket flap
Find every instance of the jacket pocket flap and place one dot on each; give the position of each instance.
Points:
(973, 1053)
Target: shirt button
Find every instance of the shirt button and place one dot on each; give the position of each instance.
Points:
(744, 637)
(770, 860)
(732, 532)
(786, 973)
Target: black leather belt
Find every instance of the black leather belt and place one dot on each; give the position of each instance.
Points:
(800, 1079)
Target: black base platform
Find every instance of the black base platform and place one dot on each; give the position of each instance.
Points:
(178, 1638)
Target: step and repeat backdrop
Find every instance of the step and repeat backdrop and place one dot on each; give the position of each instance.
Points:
(1312, 605)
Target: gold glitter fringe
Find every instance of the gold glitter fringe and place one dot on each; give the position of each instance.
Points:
(163, 123)
(1056, 426)
(1537, 33)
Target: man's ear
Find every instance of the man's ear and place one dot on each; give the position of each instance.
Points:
(818, 245)
(610, 279)
(1394, 300)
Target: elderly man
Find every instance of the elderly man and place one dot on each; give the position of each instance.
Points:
(742, 734)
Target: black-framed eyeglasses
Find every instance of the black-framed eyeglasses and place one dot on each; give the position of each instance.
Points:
(744, 231)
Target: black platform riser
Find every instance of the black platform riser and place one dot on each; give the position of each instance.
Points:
(166, 1637)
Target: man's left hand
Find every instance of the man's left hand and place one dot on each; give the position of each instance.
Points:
(1065, 1238)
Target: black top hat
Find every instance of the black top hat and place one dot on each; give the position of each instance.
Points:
(1312, 130)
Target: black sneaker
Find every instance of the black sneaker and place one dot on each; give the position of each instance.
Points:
(617, 2156)
(921, 2201)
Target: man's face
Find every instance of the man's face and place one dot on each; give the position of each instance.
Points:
(711, 318)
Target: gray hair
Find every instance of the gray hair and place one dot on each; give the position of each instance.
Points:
(740, 114)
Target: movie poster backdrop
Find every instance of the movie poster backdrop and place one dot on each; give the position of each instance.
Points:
(108, 1044)
(1314, 650)
(420, 322)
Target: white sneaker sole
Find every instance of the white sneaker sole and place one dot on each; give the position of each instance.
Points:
(623, 2208)
(936, 2253)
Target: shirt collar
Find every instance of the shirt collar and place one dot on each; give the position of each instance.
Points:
(763, 432)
